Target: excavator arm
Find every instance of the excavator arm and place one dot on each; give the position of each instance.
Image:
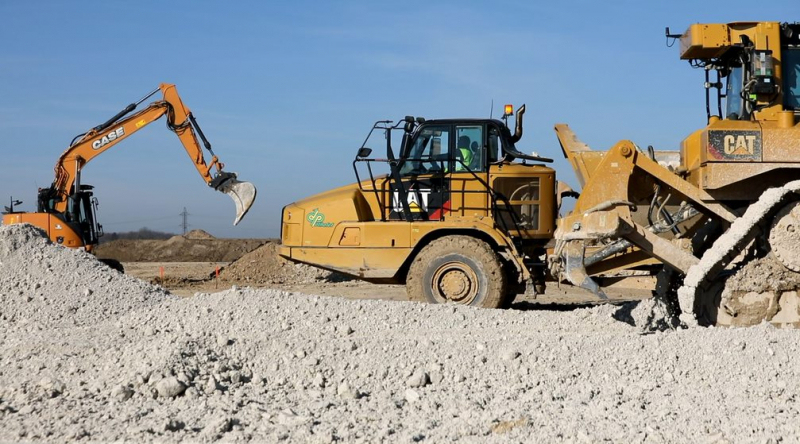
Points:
(103, 137)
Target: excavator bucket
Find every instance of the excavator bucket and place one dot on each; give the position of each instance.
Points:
(243, 195)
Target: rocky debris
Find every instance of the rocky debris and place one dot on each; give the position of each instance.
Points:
(762, 275)
(419, 379)
(121, 392)
(509, 354)
(647, 315)
(268, 365)
(346, 392)
(170, 387)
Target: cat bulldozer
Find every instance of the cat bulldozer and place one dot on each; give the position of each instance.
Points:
(462, 216)
(718, 220)
(67, 208)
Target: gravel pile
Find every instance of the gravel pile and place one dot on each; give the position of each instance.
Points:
(269, 366)
(44, 285)
(263, 266)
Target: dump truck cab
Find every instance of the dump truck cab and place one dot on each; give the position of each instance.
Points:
(448, 177)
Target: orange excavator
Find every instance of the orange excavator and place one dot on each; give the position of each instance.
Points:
(67, 209)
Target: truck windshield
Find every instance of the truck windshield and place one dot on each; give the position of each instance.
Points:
(733, 94)
(428, 154)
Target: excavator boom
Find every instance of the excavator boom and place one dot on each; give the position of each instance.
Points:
(66, 209)
(107, 135)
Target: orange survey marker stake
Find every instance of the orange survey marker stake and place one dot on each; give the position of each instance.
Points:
(161, 273)
(216, 277)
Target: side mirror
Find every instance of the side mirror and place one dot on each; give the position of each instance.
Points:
(364, 152)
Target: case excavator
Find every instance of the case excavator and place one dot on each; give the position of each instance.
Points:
(720, 222)
(67, 208)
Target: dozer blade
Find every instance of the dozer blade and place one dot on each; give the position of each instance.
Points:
(243, 195)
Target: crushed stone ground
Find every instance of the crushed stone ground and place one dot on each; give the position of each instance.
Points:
(138, 365)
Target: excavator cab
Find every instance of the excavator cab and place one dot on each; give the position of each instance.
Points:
(75, 227)
(82, 213)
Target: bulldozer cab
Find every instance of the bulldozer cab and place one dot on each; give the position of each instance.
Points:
(753, 74)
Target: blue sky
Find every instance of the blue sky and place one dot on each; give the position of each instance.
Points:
(286, 91)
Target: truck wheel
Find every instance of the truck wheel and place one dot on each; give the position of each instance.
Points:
(457, 269)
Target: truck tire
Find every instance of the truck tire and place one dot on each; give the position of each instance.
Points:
(457, 269)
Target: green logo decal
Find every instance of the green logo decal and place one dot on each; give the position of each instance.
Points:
(317, 219)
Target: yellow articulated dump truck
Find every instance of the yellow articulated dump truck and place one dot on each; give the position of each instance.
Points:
(722, 221)
(462, 215)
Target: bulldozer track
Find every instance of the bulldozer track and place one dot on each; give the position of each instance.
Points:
(742, 231)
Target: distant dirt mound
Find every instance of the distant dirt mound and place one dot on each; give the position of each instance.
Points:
(196, 246)
(198, 234)
(265, 266)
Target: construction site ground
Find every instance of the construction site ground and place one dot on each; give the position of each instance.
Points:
(261, 355)
(255, 263)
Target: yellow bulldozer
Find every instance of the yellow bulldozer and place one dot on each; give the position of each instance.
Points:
(720, 217)
(472, 227)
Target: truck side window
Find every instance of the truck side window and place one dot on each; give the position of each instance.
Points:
(791, 78)
(470, 149)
